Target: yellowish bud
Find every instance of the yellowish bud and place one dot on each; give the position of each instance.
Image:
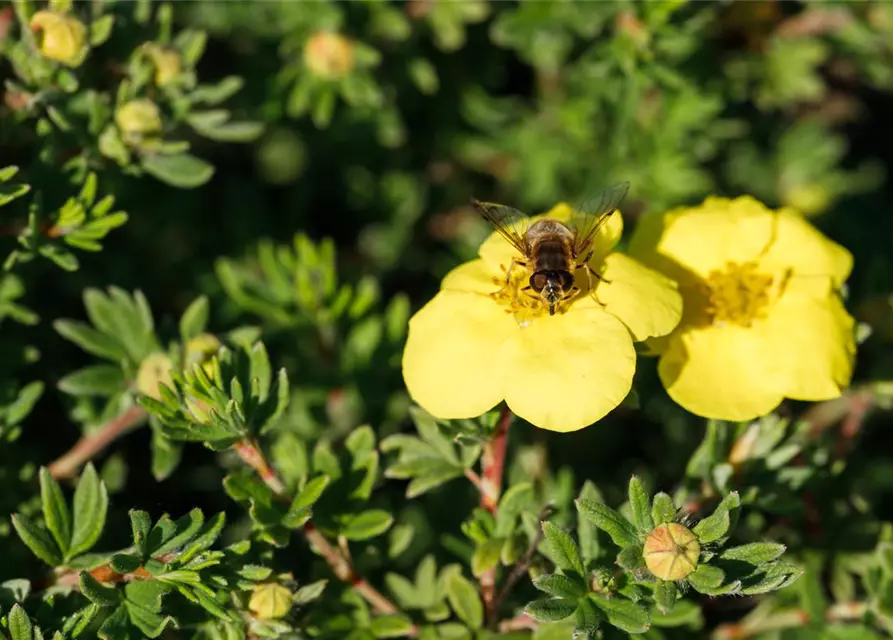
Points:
(329, 55)
(671, 551)
(201, 349)
(62, 38)
(154, 371)
(270, 601)
(138, 118)
(167, 64)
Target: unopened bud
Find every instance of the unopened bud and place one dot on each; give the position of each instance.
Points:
(270, 601)
(167, 64)
(329, 55)
(671, 551)
(154, 370)
(201, 349)
(138, 118)
(60, 37)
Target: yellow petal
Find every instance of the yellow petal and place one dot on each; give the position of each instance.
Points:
(796, 243)
(648, 303)
(814, 343)
(475, 276)
(727, 373)
(564, 372)
(451, 360)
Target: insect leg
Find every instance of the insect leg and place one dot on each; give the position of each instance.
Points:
(590, 274)
(598, 276)
(508, 278)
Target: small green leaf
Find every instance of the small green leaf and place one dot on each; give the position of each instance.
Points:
(36, 539)
(311, 492)
(140, 523)
(622, 533)
(55, 510)
(640, 505)
(95, 380)
(665, 595)
(662, 509)
(98, 593)
(367, 524)
(178, 170)
(716, 525)
(91, 340)
(706, 579)
(589, 619)
(486, 556)
(194, 319)
(564, 586)
(464, 600)
(20, 627)
(622, 613)
(125, 563)
(392, 626)
(562, 549)
(91, 502)
(309, 592)
(550, 609)
(184, 529)
(754, 553)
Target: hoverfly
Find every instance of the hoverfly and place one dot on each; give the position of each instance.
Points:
(552, 251)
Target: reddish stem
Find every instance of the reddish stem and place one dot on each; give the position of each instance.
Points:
(492, 464)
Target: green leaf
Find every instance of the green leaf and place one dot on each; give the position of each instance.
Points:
(36, 539)
(486, 556)
(550, 609)
(665, 595)
(716, 525)
(91, 340)
(184, 529)
(708, 580)
(309, 592)
(116, 626)
(101, 29)
(393, 626)
(754, 553)
(125, 563)
(95, 380)
(311, 492)
(464, 600)
(565, 586)
(562, 549)
(140, 523)
(622, 613)
(662, 509)
(20, 627)
(622, 533)
(152, 624)
(194, 319)
(588, 619)
(91, 503)
(640, 505)
(55, 510)
(179, 170)
(367, 524)
(98, 593)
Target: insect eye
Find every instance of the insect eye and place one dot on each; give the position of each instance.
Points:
(538, 281)
(567, 281)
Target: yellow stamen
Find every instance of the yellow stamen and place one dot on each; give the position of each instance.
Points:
(738, 294)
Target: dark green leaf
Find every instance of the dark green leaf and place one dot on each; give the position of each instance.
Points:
(562, 549)
(640, 505)
(564, 586)
(622, 533)
(662, 509)
(37, 539)
(754, 553)
(179, 170)
(140, 523)
(464, 600)
(125, 563)
(116, 626)
(367, 524)
(55, 510)
(622, 613)
(98, 593)
(589, 619)
(665, 595)
(90, 506)
(550, 609)
(184, 529)
(716, 525)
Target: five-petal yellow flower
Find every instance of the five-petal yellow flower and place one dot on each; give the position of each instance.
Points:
(763, 317)
(467, 350)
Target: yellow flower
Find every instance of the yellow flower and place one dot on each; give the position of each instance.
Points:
(763, 316)
(467, 349)
(329, 55)
(168, 65)
(270, 601)
(60, 37)
(138, 119)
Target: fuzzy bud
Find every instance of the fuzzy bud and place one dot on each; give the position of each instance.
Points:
(168, 65)
(270, 601)
(60, 37)
(138, 119)
(201, 349)
(329, 55)
(154, 371)
(671, 552)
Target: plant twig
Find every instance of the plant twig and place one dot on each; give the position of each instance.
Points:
(90, 445)
(474, 478)
(787, 619)
(250, 453)
(523, 564)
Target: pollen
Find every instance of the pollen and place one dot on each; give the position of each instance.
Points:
(511, 295)
(737, 294)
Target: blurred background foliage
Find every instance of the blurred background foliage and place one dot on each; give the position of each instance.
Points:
(307, 168)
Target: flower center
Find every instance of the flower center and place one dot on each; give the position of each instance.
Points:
(738, 294)
(514, 292)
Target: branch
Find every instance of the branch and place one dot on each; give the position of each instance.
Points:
(250, 453)
(787, 619)
(92, 444)
(523, 564)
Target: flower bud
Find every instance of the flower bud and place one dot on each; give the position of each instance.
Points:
(154, 370)
(138, 118)
(671, 551)
(201, 349)
(329, 55)
(60, 37)
(270, 601)
(167, 64)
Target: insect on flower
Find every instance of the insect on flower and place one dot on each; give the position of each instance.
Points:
(552, 251)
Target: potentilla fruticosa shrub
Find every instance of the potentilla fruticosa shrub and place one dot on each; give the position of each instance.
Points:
(271, 370)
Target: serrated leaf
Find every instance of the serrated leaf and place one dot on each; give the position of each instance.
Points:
(665, 595)
(640, 505)
(55, 510)
(194, 319)
(20, 627)
(367, 524)
(550, 609)
(754, 553)
(96, 592)
(622, 532)
(37, 540)
(662, 509)
(465, 600)
(622, 613)
(90, 507)
(180, 170)
(564, 586)
(391, 626)
(562, 549)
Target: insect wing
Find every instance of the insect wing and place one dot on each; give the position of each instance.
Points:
(510, 223)
(593, 213)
